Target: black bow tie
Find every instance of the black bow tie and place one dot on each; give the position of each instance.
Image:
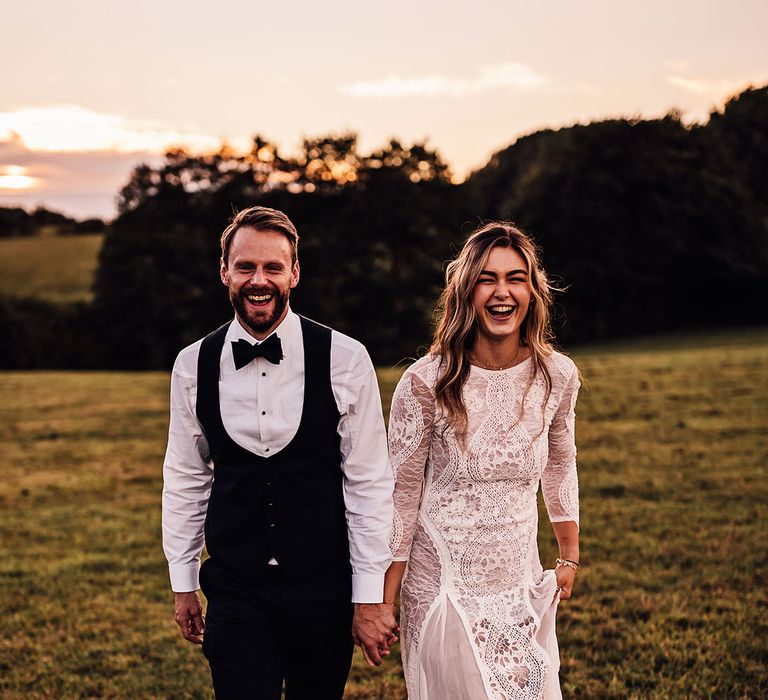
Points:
(243, 352)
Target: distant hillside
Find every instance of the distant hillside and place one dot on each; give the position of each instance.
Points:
(57, 269)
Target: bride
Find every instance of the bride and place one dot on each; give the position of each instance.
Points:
(475, 426)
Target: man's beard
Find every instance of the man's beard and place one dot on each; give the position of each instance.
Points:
(248, 315)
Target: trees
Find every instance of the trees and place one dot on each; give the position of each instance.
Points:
(372, 254)
(638, 218)
(651, 225)
(17, 222)
(375, 229)
(741, 132)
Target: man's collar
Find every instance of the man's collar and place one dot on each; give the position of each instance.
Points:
(289, 330)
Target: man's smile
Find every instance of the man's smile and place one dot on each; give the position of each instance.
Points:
(260, 300)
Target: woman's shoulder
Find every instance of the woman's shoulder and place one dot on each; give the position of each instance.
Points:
(561, 367)
(424, 369)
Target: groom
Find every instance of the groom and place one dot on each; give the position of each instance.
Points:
(277, 461)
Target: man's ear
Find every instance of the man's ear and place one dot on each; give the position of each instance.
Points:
(295, 274)
(223, 272)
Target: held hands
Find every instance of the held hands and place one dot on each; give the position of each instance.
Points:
(189, 616)
(374, 629)
(565, 572)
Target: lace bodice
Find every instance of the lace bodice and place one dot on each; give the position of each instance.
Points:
(508, 450)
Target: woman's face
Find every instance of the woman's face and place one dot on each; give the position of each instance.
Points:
(502, 295)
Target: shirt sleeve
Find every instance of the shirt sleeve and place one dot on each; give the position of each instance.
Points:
(187, 478)
(367, 479)
(410, 426)
(559, 481)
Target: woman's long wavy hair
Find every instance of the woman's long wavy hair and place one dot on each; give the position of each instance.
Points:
(457, 325)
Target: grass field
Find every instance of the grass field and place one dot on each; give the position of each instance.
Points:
(54, 268)
(671, 601)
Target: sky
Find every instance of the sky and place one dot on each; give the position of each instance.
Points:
(90, 88)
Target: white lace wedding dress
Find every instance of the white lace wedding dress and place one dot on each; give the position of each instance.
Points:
(478, 611)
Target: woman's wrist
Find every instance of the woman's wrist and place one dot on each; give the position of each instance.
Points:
(571, 553)
(570, 563)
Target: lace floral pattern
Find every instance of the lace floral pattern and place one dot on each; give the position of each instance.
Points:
(420, 592)
(466, 516)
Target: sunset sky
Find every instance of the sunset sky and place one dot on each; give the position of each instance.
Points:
(89, 89)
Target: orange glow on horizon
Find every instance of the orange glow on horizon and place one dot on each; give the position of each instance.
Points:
(13, 177)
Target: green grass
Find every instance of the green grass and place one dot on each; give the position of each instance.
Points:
(53, 268)
(670, 602)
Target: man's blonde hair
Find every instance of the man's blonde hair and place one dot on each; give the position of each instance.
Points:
(262, 219)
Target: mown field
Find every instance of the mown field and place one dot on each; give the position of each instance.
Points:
(671, 601)
(53, 268)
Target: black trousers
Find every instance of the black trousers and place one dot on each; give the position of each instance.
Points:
(261, 635)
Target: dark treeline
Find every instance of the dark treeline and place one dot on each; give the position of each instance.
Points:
(651, 225)
(16, 222)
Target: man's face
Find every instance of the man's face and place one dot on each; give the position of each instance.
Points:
(260, 275)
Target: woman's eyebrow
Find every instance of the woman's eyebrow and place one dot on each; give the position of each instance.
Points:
(511, 272)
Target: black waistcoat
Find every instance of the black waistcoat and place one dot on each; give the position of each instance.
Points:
(290, 505)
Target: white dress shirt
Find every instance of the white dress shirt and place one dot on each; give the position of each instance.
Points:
(261, 407)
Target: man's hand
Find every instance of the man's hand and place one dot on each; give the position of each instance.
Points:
(189, 616)
(374, 628)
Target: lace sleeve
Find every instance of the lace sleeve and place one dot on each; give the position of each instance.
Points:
(410, 424)
(559, 482)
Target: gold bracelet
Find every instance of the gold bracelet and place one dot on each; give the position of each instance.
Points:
(388, 602)
(567, 562)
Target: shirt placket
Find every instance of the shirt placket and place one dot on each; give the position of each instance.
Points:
(263, 392)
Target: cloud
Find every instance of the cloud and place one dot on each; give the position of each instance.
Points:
(499, 76)
(76, 160)
(81, 184)
(710, 87)
(69, 128)
(503, 75)
(395, 86)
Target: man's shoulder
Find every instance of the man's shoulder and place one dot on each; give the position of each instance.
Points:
(350, 361)
(346, 350)
(186, 360)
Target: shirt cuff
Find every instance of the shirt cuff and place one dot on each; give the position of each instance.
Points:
(367, 588)
(184, 577)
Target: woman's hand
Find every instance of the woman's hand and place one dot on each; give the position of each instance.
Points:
(374, 628)
(567, 534)
(566, 577)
